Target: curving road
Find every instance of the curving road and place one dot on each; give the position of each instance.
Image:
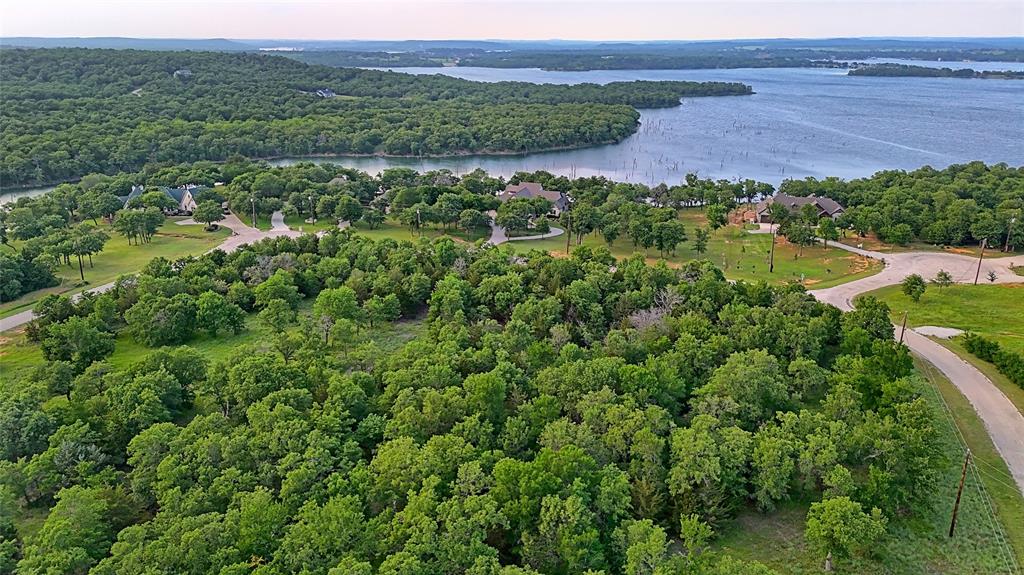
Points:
(1004, 422)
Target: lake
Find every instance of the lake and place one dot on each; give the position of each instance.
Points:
(800, 122)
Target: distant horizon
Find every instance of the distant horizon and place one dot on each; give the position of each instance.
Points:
(515, 40)
(530, 20)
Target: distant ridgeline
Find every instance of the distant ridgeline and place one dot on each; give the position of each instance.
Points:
(905, 70)
(640, 56)
(67, 112)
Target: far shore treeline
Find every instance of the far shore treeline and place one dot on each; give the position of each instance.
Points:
(68, 112)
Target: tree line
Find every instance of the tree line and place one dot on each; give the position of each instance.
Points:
(958, 205)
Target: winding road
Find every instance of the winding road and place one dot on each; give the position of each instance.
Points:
(1002, 419)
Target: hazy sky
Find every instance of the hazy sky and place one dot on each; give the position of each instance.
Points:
(518, 19)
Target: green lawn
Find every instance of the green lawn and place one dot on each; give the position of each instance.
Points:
(117, 258)
(299, 223)
(394, 230)
(741, 255)
(994, 311)
(18, 355)
(871, 242)
(915, 545)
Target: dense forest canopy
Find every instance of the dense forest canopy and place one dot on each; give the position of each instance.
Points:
(69, 112)
(961, 204)
(553, 415)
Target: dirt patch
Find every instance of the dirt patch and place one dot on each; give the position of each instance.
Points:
(859, 264)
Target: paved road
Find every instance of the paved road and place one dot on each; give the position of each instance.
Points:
(242, 234)
(1004, 422)
(498, 235)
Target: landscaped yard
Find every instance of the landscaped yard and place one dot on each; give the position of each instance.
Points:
(741, 255)
(994, 311)
(117, 258)
(920, 545)
(298, 223)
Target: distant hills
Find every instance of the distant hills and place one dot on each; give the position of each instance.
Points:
(224, 44)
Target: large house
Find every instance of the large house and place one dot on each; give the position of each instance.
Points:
(826, 207)
(183, 196)
(559, 201)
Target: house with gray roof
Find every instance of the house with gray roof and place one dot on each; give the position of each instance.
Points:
(559, 200)
(183, 196)
(826, 207)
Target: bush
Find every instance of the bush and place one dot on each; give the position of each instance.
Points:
(1010, 364)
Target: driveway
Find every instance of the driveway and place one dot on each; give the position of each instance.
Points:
(1004, 422)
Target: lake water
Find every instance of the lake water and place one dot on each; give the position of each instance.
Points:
(800, 122)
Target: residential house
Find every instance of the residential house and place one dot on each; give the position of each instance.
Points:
(183, 196)
(559, 200)
(826, 207)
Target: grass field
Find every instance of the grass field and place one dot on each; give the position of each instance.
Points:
(919, 544)
(994, 311)
(394, 230)
(741, 255)
(117, 258)
(18, 355)
(871, 242)
(299, 223)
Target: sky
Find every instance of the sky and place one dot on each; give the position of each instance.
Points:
(510, 20)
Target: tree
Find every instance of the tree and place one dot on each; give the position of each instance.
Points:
(381, 309)
(471, 219)
(153, 199)
(348, 209)
(668, 235)
(279, 286)
(718, 216)
(991, 276)
(747, 389)
(86, 240)
(827, 230)
(276, 315)
(373, 218)
(943, 279)
(77, 340)
(337, 303)
(914, 286)
(208, 212)
(76, 534)
(800, 233)
(214, 312)
(700, 243)
(158, 320)
(839, 526)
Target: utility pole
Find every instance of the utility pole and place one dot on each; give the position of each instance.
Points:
(252, 201)
(419, 222)
(771, 254)
(1009, 232)
(903, 330)
(312, 212)
(959, 492)
(980, 257)
(568, 230)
